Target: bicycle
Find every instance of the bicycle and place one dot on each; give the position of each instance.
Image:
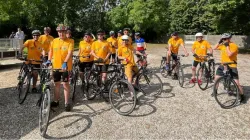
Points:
(44, 101)
(229, 88)
(24, 78)
(173, 65)
(207, 70)
(121, 94)
(146, 80)
(75, 79)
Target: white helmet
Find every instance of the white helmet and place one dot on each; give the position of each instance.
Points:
(125, 37)
(198, 34)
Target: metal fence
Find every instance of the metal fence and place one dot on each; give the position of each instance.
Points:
(8, 48)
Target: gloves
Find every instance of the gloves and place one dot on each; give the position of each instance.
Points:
(64, 65)
(220, 41)
(195, 55)
(48, 62)
(226, 44)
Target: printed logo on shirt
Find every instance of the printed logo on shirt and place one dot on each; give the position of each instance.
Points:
(64, 48)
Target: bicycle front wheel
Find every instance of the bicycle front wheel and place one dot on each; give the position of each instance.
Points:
(122, 97)
(149, 83)
(91, 87)
(180, 75)
(44, 112)
(23, 87)
(204, 77)
(226, 92)
(163, 70)
(77, 87)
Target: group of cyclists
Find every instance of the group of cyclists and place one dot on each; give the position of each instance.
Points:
(228, 49)
(58, 52)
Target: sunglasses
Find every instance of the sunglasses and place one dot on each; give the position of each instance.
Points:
(36, 35)
(86, 36)
(124, 40)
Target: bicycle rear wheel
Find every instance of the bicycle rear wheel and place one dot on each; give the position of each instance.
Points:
(226, 92)
(77, 87)
(163, 70)
(205, 77)
(91, 87)
(149, 83)
(180, 75)
(122, 97)
(44, 112)
(23, 87)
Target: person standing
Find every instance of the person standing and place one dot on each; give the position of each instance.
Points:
(46, 39)
(113, 42)
(20, 37)
(61, 50)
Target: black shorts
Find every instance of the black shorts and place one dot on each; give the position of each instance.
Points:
(142, 51)
(101, 68)
(58, 76)
(112, 55)
(36, 67)
(84, 65)
(174, 57)
(233, 72)
(195, 63)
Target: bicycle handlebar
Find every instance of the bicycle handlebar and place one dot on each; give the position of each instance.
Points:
(30, 60)
(77, 56)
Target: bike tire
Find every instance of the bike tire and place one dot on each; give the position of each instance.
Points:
(44, 112)
(180, 75)
(218, 95)
(123, 90)
(205, 77)
(91, 87)
(25, 81)
(153, 84)
(163, 70)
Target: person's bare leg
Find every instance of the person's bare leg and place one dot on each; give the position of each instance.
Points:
(66, 88)
(57, 91)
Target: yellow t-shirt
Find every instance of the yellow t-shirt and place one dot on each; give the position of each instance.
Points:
(200, 49)
(127, 52)
(224, 56)
(113, 42)
(85, 49)
(120, 41)
(35, 49)
(46, 40)
(101, 49)
(175, 44)
(59, 50)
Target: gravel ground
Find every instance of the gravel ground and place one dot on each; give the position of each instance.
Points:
(178, 113)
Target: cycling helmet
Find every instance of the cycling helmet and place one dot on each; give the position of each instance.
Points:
(137, 34)
(61, 27)
(111, 32)
(36, 32)
(174, 34)
(226, 36)
(126, 29)
(125, 37)
(100, 31)
(198, 34)
(87, 33)
(120, 31)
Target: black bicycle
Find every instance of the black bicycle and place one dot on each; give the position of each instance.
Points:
(206, 72)
(45, 99)
(77, 81)
(226, 91)
(121, 94)
(147, 81)
(173, 65)
(24, 78)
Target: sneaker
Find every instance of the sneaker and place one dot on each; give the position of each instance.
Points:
(199, 82)
(175, 76)
(192, 81)
(242, 99)
(54, 104)
(167, 67)
(34, 90)
(67, 107)
(135, 88)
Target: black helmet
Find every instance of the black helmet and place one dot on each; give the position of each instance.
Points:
(87, 33)
(100, 31)
(174, 34)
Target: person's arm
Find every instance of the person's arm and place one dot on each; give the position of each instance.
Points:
(109, 53)
(229, 51)
(184, 48)
(145, 45)
(26, 44)
(70, 52)
(211, 50)
(50, 51)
